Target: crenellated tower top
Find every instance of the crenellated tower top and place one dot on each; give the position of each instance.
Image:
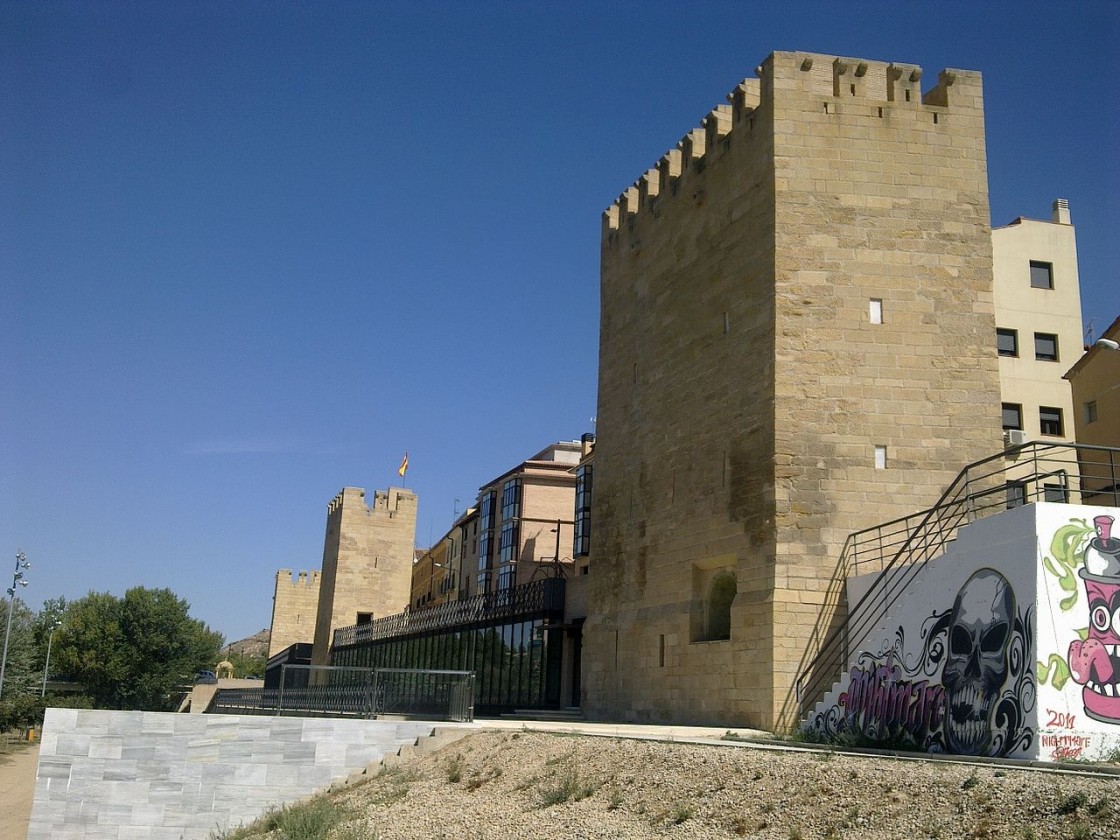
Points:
(835, 84)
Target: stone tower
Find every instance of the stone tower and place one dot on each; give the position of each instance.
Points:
(294, 605)
(797, 341)
(367, 561)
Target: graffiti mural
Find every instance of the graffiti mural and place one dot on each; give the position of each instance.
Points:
(1092, 658)
(968, 688)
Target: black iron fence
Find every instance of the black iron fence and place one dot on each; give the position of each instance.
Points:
(333, 691)
(541, 596)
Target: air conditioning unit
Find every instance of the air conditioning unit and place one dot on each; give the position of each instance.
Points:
(1014, 437)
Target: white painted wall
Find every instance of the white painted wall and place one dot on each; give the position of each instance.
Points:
(927, 672)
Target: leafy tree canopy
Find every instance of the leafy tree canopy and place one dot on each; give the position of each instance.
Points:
(134, 652)
(20, 667)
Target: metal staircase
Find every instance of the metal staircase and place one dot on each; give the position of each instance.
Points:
(900, 549)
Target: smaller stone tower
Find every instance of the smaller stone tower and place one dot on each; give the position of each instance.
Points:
(367, 561)
(294, 605)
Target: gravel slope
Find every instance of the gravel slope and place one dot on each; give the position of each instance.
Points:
(535, 785)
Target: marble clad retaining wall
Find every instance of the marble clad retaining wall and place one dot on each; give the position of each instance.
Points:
(107, 775)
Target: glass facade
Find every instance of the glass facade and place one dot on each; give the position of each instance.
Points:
(583, 511)
(513, 652)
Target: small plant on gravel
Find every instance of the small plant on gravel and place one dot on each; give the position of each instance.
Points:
(1071, 803)
(310, 820)
(758, 776)
(795, 834)
(739, 826)
(982, 830)
(455, 768)
(933, 829)
(1029, 833)
(1101, 807)
(568, 787)
(615, 800)
(1081, 831)
(972, 781)
(681, 813)
(397, 782)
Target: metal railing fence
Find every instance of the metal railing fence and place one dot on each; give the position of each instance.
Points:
(898, 550)
(338, 691)
(529, 598)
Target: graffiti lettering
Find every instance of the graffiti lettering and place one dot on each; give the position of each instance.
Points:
(878, 701)
(1065, 746)
(1062, 720)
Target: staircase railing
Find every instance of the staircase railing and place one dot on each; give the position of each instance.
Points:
(901, 548)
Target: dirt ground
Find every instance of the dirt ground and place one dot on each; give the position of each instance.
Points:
(17, 780)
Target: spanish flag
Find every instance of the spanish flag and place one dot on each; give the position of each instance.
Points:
(404, 466)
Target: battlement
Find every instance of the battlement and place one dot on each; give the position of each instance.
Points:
(802, 82)
(385, 502)
(304, 579)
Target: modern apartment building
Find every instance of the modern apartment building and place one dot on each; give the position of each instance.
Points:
(1038, 325)
(525, 521)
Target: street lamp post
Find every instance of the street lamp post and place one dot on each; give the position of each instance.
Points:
(54, 625)
(17, 580)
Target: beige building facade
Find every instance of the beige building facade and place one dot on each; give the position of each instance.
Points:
(1095, 383)
(1038, 325)
(295, 602)
(796, 342)
(367, 561)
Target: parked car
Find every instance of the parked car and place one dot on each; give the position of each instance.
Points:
(206, 678)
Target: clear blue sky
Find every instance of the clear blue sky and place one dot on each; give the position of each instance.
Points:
(250, 253)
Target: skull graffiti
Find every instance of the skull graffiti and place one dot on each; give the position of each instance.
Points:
(976, 667)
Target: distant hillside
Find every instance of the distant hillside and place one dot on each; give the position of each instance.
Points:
(255, 646)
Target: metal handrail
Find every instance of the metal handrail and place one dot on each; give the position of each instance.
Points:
(902, 547)
(536, 596)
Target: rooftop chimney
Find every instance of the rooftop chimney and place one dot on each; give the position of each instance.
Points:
(1061, 212)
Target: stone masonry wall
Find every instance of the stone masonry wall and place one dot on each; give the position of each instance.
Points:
(882, 195)
(106, 775)
(743, 389)
(367, 561)
(294, 604)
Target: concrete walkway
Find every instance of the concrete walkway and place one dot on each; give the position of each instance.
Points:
(649, 732)
(17, 780)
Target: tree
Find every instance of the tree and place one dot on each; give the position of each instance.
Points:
(19, 670)
(134, 652)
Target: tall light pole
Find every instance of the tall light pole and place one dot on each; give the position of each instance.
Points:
(54, 625)
(17, 580)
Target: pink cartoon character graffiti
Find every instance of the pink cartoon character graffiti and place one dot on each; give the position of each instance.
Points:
(1095, 663)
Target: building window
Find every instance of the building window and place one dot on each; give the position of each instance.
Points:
(511, 499)
(485, 550)
(1042, 275)
(1046, 347)
(483, 583)
(1016, 494)
(1008, 342)
(1049, 420)
(507, 547)
(876, 311)
(1055, 493)
(489, 501)
(880, 457)
(583, 511)
(720, 596)
(1012, 416)
(1091, 412)
(506, 577)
